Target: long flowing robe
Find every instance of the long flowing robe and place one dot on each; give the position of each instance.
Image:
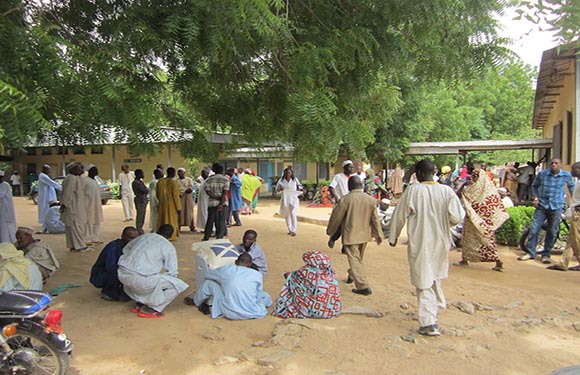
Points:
(16, 271)
(52, 222)
(153, 204)
(47, 188)
(94, 209)
(127, 195)
(43, 256)
(187, 204)
(235, 292)
(235, 193)
(169, 203)
(250, 185)
(202, 199)
(74, 215)
(7, 215)
(431, 209)
(311, 291)
(140, 270)
(485, 213)
(289, 202)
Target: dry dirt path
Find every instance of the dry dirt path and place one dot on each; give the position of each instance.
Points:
(525, 324)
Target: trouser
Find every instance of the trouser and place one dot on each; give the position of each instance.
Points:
(214, 217)
(16, 190)
(140, 219)
(127, 201)
(540, 216)
(292, 218)
(355, 255)
(428, 303)
(574, 234)
(236, 215)
(75, 236)
(226, 215)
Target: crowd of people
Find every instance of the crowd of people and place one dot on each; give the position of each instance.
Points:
(143, 267)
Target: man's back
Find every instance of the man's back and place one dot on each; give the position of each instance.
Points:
(148, 254)
(357, 212)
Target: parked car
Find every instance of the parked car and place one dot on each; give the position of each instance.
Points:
(103, 188)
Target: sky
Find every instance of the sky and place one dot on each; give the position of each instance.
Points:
(529, 42)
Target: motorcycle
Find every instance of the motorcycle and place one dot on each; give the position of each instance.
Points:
(32, 339)
(561, 239)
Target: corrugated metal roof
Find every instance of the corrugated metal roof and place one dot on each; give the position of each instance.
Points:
(453, 148)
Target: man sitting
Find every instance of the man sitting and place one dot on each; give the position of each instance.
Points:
(16, 271)
(37, 251)
(250, 246)
(233, 291)
(104, 271)
(52, 222)
(148, 271)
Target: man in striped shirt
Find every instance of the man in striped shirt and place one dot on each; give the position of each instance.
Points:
(549, 200)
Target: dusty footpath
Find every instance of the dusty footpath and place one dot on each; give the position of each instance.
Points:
(525, 320)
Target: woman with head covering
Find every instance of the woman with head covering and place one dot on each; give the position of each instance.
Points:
(485, 213)
(16, 271)
(311, 291)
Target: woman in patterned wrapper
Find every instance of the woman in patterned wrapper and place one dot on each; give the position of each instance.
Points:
(485, 213)
(311, 291)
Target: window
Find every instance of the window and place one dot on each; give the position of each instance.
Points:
(97, 149)
(323, 171)
(31, 151)
(46, 151)
(78, 150)
(62, 150)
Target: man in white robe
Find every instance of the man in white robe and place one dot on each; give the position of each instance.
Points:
(47, 188)
(148, 270)
(73, 209)
(202, 199)
(153, 201)
(431, 209)
(7, 215)
(94, 206)
(126, 179)
(52, 222)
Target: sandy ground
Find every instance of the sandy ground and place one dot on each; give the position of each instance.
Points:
(524, 324)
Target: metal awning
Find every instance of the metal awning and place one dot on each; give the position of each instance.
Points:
(460, 148)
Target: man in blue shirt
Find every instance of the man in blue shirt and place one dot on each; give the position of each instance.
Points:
(549, 200)
(104, 272)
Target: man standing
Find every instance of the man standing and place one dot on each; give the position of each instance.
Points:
(73, 210)
(141, 193)
(574, 235)
(16, 182)
(47, 188)
(169, 203)
(104, 271)
(431, 210)
(37, 251)
(148, 271)
(7, 215)
(153, 201)
(94, 207)
(216, 187)
(234, 292)
(126, 178)
(525, 179)
(202, 198)
(235, 196)
(185, 185)
(355, 215)
(338, 187)
(548, 195)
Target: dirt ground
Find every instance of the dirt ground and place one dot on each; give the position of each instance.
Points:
(527, 321)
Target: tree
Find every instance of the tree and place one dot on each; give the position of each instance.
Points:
(563, 16)
(313, 74)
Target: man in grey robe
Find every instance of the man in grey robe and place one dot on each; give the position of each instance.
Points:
(148, 270)
(37, 251)
(431, 210)
(73, 209)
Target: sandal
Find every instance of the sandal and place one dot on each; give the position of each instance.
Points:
(153, 315)
(498, 268)
(461, 263)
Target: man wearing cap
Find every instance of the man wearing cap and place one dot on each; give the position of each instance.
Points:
(7, 216)
(52, 222)
(73, 209)
(338, 188)
(47, 188)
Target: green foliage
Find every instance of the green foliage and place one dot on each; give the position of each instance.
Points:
(114, 186)
(562, 15)
(310, 184)
(510, 232)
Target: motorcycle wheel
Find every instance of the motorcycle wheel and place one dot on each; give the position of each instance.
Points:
(539, 244)
(34, 354)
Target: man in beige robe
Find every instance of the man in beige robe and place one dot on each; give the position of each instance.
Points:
(431, 210)
(94, 206)
(186, 187)
(357, 217)
(73, 209)
(37, 251)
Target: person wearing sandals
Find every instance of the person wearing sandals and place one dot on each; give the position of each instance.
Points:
(431, 210)
(485, 213)
(148, 271)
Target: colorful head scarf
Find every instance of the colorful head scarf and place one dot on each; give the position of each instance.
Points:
(311, 291)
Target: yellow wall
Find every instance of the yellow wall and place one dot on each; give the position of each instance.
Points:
(565, 103)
